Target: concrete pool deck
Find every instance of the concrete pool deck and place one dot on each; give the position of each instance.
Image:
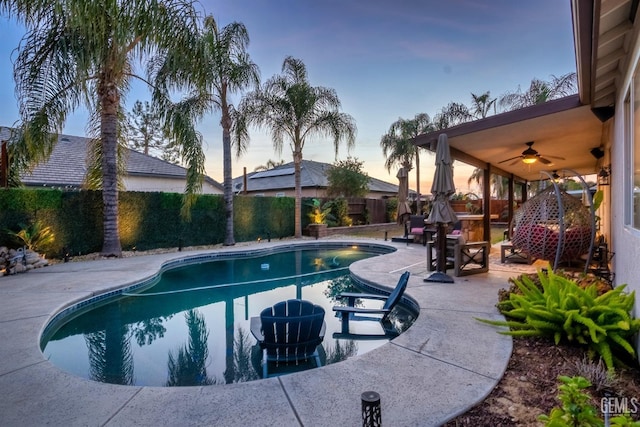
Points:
(445, 363)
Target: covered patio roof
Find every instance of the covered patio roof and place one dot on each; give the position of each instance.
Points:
(560, 128)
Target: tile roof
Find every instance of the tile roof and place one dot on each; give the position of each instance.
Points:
(312, 174)
(66, 167)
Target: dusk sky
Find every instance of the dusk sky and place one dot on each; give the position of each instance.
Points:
(385, 60)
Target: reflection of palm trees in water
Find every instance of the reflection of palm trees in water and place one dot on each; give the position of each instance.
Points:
(339, 285)
(110, 356)
(340, 351)
(242, 358)
(188, 366)
(149, 330)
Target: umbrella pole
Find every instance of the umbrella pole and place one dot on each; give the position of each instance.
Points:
(442, 248)
(440, 275)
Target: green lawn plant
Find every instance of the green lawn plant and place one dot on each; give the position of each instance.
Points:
(561, 309)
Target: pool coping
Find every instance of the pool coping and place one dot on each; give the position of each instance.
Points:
(442, 365)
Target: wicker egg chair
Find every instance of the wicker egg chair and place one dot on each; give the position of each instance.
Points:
(553, 226)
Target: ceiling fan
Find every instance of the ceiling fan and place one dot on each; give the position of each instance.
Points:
(530, 156)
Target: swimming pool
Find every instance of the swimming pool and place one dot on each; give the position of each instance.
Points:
(190, 325)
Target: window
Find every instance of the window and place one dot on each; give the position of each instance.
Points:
(627, 182)
(634, 159)
(280, 194)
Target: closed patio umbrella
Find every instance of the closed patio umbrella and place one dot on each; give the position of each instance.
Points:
(441, 211)
(404, 209)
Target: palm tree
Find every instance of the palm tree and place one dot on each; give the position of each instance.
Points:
(223, 68)
(294, 110)
(400, 151)
(271, 164)
(499, 183)
(83, 52)
(482, 104)
(452, 114)
(540, 92)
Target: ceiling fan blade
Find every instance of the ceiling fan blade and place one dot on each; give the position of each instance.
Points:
(545, 161)
(503, 161)
(556, 157)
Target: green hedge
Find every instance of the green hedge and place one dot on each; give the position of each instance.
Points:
(146, 220)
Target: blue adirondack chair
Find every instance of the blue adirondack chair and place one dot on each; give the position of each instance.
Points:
(289, 332)
(350, 312)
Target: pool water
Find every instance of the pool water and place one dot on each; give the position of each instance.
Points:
(192, 326)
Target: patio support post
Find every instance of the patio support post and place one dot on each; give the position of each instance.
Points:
(486, 203)
(511, 198)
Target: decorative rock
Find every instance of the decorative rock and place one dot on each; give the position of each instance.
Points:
(14, 261)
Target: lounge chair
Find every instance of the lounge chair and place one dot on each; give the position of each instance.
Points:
(290, 331)
(350, 312)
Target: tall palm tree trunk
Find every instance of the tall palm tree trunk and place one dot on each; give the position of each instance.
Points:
(110, 100)
(229, 240)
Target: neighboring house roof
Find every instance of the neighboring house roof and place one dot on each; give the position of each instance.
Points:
(312, 174)
(66, 167)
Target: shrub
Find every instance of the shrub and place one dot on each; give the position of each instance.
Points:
(561, 309)
(597, 373)
(391, 209)
(35, 236)
(576, 409)
(339, 209)
(319, 213)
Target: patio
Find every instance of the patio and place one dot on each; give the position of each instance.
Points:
(459, 359)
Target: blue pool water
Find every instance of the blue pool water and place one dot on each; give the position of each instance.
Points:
(191, 325)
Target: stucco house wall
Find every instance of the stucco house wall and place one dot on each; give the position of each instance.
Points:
(625, 239)
(164, 184)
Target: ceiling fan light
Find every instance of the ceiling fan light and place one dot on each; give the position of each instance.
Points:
(529, 159)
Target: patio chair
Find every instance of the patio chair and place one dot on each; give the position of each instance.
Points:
(351, 312)
(463, 257)
(417, 228)
(290, 331)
